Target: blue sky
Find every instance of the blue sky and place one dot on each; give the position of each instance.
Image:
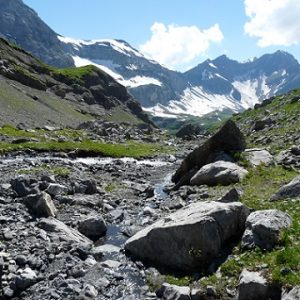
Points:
(180, 34)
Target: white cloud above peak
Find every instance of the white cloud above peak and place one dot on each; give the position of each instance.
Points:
(175, 46)
(274, 22)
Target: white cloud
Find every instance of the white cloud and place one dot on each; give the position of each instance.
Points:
(175, 46)
(274, 22)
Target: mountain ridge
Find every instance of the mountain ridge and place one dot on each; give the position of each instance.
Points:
(214, 85)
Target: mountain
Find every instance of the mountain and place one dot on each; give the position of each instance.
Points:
(221, 84)
(35, 94)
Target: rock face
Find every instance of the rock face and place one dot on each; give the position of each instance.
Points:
(41, 205)
(227, 139)
(183, 241)
(252, 286)
(219, 172)
(290, 190)
(263, 228)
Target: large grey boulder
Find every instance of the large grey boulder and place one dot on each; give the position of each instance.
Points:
(219, 172)
(40, 205)
(263, 228)
(173, 292)
(93, 227)
(60, 232)
(229, 138)
(258, 157)
(290, 190)
(191, 237)
(252, 286)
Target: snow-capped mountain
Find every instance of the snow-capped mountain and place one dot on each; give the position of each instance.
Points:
(219, 84)
(214, 85)
(225, 84)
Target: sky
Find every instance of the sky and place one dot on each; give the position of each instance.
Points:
(181, 33)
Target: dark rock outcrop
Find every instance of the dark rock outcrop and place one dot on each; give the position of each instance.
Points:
(228, 139)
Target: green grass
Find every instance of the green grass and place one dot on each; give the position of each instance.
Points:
(130, 149)
(287, 122)
(75, 74)
(258, 186)
(59, 171)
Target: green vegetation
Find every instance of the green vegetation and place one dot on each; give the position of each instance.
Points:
(76, 140)
(60, 171)
(130, 149)
(112, 186)
(282, 263)
(285, 113)
(76, 74)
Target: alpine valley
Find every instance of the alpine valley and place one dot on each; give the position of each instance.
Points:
(219, 85)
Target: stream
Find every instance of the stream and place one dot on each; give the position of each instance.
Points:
(123, 279)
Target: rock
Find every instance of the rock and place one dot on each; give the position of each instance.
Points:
(25, 279)
(173, 292)
(188, 131)
(91, 186)
(263, 228)
(93, 227)
(252, 286)
(257, 157)
(261, 124)
(290, 190)
(21, 186)
(99, 251)
(233, 195)
(229, 138)
(40, 205)
(183, 240)
(219, 172)
(55, 189)
(293, 294)
(59, 231)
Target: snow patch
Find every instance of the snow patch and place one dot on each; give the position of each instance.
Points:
(111, 69)
(116, 45)
(195, 101)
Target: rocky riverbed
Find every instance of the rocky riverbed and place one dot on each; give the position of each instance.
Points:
(38, 263)
(118, 228)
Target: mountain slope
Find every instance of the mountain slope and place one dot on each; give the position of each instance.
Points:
(36, 94)
(214, 85)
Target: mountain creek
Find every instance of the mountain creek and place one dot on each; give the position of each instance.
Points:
(186, 224)
(127, 193)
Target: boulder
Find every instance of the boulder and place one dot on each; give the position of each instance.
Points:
(233, 195)
(252, 286)
(93, 227)
(60, 232)
(173, 292)
(188, 131)
(219, 172)
(229, 138)
(263, 228)
(21, 185)
(261, 124)
(293, 294)
(40, 205)
(257, 157)
(290, 190)
(55, 189)
(26, 278)
(183, 240)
